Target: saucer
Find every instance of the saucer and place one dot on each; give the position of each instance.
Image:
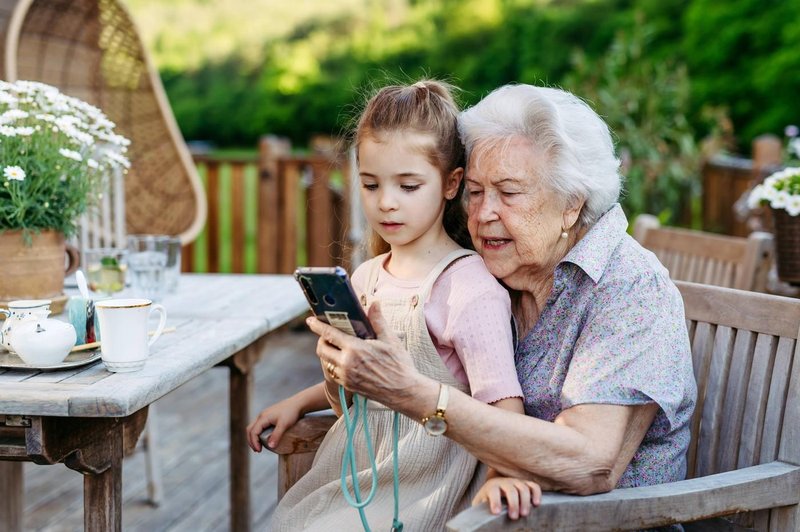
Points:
(73, 360)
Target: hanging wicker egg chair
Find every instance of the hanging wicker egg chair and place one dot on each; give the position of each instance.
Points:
(90, 49)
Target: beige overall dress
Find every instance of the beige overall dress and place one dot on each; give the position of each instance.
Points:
(437, 476)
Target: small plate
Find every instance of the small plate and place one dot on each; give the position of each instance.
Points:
(73, 360)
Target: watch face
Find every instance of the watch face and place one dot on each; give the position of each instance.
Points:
(435, 426)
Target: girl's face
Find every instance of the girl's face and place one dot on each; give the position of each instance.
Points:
(402, 193)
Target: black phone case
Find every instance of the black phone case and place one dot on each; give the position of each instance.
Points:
(333, 300)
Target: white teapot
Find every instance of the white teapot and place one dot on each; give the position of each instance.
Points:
(18, 312)
(43, 342)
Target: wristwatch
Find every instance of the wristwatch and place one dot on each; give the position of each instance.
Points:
(436, 424)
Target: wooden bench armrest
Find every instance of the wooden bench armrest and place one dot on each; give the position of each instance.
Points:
(305, 436)
(753, 488)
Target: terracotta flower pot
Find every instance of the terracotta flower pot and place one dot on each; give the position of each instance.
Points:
(787, 246)
(36, 271)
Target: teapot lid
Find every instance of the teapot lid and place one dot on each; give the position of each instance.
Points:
(25, 304)
(42, 325)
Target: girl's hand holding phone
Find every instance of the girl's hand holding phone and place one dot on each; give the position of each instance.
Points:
(520, 495)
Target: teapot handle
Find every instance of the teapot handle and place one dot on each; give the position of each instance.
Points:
(74, 259)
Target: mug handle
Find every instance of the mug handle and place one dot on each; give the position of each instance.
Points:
(163, 321)
(74, 259)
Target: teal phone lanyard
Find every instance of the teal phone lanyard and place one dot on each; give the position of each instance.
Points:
(349, 459)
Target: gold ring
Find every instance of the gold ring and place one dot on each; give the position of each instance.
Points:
(331, 367)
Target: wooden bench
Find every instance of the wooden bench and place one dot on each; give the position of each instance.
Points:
(745, 446)
(700, 257)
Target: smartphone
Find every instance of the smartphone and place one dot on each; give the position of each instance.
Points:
(333, 300)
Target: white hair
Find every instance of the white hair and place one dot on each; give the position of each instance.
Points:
(574, 140)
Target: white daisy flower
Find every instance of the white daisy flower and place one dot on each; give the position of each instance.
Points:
(755, 197)
(118, 140)
(70, 154)
(769, 193)
(779, 200)
(80, 137)
(116, 159)
(8, 131)
(8, 99)
(11, 115)
(793, 206)
(14, 173)
(67, 121)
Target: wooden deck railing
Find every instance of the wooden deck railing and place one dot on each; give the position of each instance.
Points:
(727, 178)
(271, 212)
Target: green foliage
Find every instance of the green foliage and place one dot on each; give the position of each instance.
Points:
(313, 79)
(654, 137)
(236, 69)
(744, 54)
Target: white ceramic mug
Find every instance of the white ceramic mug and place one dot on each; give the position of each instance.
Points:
(123, 332)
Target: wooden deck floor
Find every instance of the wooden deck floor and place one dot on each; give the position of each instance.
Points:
(193, 450)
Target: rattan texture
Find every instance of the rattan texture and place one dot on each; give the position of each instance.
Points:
(90, 49)
(787, 245)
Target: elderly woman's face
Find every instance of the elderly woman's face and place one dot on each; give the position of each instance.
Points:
(515, 220)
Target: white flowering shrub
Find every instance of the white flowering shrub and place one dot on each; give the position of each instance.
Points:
(56, 153)
(780, 190)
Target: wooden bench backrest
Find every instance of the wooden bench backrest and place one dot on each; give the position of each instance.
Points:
(699, 257)
(744, 347)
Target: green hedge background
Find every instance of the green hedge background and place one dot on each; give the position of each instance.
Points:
(664, 73)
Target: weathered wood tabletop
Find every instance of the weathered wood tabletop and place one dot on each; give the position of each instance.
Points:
(78, 416)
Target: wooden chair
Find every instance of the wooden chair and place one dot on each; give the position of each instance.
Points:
(90, 49)
(700, 257)
(744, 454)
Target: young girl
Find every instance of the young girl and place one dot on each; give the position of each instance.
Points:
(443, 304)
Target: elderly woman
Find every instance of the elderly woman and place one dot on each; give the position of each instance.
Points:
(602, 353)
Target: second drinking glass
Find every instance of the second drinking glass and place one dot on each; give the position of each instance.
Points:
(147, 263)
(105, 270)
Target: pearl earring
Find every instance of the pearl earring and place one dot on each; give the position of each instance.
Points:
(564, 234)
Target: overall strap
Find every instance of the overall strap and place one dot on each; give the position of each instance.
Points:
(450, 258)
(372, 279)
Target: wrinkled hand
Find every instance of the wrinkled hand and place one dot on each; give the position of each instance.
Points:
(379, 369)
(281, 415)
(520, 495)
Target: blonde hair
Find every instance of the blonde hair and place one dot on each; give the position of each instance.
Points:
(427, 106)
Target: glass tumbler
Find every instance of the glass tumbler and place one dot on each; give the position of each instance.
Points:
(147, 265)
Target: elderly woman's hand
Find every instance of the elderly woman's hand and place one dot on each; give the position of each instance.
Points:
(379, 369)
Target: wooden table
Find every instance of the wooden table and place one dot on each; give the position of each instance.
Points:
(86, 417)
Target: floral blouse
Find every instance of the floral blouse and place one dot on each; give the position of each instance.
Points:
(613, 332)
